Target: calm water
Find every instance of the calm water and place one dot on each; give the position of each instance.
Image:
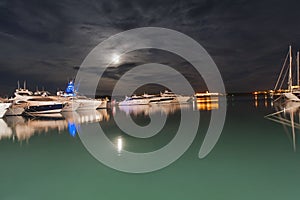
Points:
(255, 158)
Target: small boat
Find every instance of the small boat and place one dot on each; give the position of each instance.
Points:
(3, 108)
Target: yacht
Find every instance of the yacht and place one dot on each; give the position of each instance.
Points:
(3, 108)
(70, 104)
(161, 100)
(207, 94)
(177, 98)
(146, 99)
(79, 102)
(135, 100)
(38, 106)
(33, 103)
(19, 101)
(158, 99)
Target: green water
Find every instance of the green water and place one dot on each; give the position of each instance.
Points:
(253, 159)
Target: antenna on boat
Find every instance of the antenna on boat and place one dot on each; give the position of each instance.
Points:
(18, 84)
(298, 68)
(24, 85)
(290, 82)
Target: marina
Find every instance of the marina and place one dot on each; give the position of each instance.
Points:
(149, 100)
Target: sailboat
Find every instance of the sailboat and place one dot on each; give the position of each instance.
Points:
(292, 92)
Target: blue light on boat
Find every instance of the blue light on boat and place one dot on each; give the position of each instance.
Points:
(72, 129)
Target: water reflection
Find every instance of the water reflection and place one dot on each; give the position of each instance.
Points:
(264, 100)
(23, 128)
(287, 114)
(119, 145)
(207, 103)
(153, 109)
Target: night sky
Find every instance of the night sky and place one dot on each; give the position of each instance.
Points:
(44, 42)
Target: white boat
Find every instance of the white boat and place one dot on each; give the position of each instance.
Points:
(177, 98)
(14, 109)
(134, 100)
(207, 94)
(87, 103)
(158, 99)
(161, 100)
(43, 105)
(3, 108)
(71, 105)
(146, 99)
(19, 101)
(77, 102)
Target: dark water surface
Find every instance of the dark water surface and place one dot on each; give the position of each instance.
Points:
(254, 158)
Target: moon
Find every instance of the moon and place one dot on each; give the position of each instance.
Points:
(115, 59)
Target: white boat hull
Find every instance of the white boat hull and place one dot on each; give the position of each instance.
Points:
(46, 107)
(182, 99)
(3, 108)
(134, 102)
(161, 100)
(88, 104)
(70, 106)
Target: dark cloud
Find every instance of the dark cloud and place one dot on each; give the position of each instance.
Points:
(45, 41)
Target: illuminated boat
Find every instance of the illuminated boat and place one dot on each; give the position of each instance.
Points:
(176, 97)
(134, 100)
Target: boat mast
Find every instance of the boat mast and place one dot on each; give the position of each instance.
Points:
(298, 69)
(290, 82)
